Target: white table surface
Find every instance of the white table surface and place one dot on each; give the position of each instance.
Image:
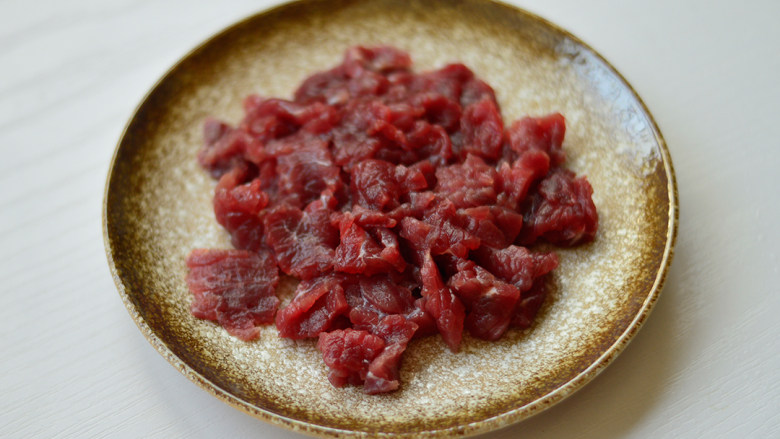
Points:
(73, 364)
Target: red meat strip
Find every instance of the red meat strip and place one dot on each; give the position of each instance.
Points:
(482, 129)
(540, 134)
(360, 252)
(372, 298)
(516, 265)
(513, 181)
(490, 301)
(268, 119)
(439, 110)
(561, 211)
(360, 134)
(442, 304)
(381, 59)
(235, 288)
(447, 81)
(431, 143)
(494, 226)
(237, 208)
(223, 147)
(373, 185)
(383, 371)
(305, 173)
(475, 90)
(448, 234)
(316, 306)
(467, 184)
(303, 242)
(529, 304)
(348, 353)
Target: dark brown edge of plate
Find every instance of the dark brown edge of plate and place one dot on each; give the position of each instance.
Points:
(489, 424)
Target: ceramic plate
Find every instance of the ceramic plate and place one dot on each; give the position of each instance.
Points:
(158, 208)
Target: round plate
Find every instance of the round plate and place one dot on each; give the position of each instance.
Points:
(158, 208)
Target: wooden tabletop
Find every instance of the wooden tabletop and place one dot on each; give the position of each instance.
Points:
(73, 364)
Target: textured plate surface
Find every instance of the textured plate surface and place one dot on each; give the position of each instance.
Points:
(158, 208)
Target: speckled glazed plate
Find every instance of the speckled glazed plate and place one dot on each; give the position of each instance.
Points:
(158, 208)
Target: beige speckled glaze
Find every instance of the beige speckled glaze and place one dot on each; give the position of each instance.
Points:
(158, 208)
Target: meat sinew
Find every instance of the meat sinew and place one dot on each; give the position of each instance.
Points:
(399, 199)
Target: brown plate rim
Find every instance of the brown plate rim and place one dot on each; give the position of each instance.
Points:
(512, 415)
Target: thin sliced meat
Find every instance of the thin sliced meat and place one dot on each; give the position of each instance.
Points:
(490, 301)
(541, 134)
(235, 288)
(303, 242)
(238, 206)
(529, 304)
(401, 202)
(516, 265)
(315, 308)
(446, 309)
(361, 253)
(348, 353)
(383, 371)
(561, 211)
